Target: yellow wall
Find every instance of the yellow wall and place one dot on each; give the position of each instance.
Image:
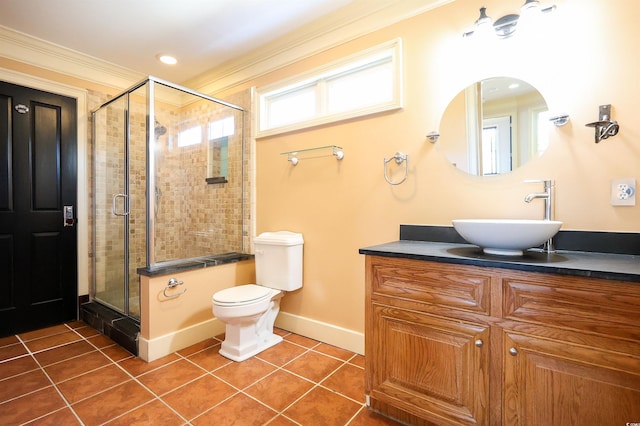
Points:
(585, 56)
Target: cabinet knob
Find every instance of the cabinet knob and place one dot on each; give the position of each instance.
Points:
(513, 351)
(479, 343)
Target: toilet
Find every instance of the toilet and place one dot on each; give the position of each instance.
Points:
(249, 311)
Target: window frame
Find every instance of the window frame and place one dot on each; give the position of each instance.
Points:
(318, 78)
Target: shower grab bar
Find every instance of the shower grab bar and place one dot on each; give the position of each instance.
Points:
(114, 209)
(173, 283)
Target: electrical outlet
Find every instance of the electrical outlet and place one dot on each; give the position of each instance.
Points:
(623, 192)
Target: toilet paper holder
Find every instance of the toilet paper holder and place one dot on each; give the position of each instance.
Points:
(173, 283)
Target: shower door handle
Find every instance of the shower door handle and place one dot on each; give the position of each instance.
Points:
(114, 208)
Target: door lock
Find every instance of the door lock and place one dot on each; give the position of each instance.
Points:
(68, 216)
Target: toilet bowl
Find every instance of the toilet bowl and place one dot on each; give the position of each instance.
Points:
(249, 311)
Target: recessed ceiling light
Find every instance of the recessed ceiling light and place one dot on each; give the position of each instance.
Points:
(166, 59)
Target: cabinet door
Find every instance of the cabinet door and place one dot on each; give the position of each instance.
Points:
(431, 367)
(551, 382)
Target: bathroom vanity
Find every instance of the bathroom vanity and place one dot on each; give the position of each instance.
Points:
(454, 336)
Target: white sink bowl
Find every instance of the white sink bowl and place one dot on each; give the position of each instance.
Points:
(506, 237)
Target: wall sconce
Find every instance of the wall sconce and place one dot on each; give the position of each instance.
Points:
(507, 25)
(605, 127)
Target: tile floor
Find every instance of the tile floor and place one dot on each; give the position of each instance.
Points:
(69, 374)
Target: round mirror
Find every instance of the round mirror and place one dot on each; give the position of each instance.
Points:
(494, 126)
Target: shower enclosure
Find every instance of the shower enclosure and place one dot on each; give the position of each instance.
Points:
(170, 184)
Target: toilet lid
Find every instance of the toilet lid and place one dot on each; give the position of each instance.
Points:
(242, 294)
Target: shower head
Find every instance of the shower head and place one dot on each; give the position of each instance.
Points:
(159, 129)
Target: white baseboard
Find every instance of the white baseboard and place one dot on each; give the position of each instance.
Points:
(327, 333)
(150, 350)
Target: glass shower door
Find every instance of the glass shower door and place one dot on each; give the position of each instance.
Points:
(120, 185)
(110, 220)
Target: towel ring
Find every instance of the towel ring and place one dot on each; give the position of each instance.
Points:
(399, 158)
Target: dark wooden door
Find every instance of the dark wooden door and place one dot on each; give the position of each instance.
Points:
(38, 280)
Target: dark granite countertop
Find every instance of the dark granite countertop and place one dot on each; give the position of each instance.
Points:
(609, 266)
(450, 248)
(183, 265)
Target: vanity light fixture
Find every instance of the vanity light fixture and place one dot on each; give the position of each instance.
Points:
(506, 25)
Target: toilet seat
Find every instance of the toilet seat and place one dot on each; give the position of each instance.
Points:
(242, 295)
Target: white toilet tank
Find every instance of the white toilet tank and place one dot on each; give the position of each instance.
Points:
(279, 260)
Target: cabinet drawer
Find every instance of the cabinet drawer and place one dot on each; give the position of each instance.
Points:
(609, 308)
(412, 281)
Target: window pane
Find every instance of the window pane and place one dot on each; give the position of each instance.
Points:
(361, 88)
(291, 107)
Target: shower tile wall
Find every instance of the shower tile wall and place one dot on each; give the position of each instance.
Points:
(194, 218)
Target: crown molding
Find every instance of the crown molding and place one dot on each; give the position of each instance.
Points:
(43, 54)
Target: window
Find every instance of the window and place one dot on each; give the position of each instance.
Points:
(190, 136)
(218, 164)
(220, 128)
(362, 84)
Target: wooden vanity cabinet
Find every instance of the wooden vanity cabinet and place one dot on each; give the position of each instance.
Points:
(573, 348)
(452, 344)
(427, 342)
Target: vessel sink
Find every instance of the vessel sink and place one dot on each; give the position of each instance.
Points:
(506, 237)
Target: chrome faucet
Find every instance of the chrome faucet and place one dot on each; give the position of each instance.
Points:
(547, 195)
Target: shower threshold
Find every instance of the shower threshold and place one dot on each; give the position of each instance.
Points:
(120, 328)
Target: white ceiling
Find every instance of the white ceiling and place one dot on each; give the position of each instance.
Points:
(201, 34)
